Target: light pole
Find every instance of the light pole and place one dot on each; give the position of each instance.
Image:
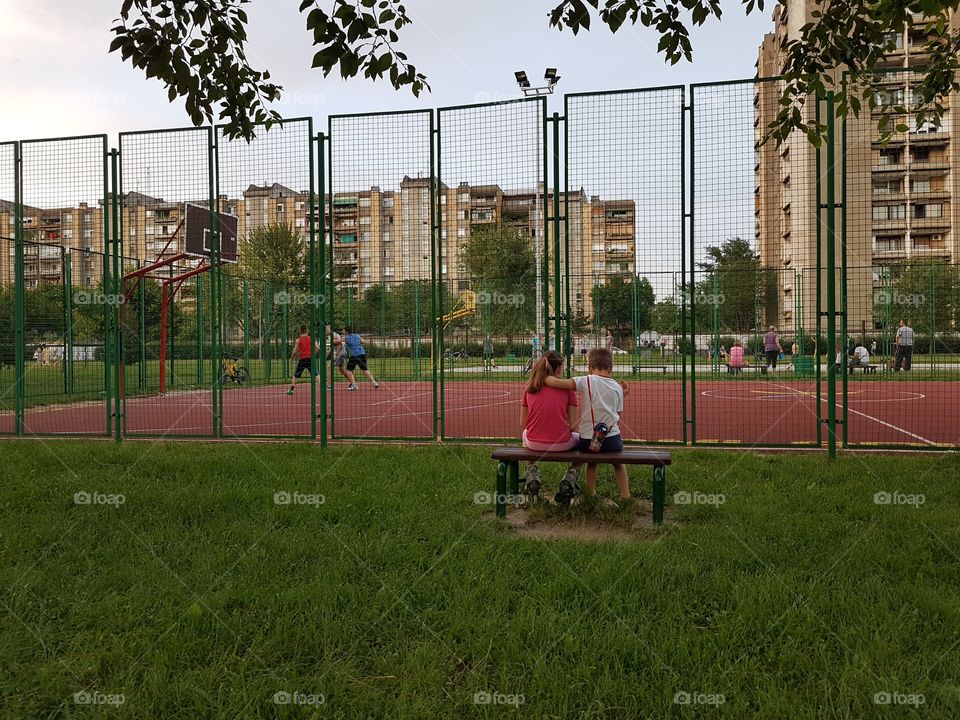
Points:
(540, 196)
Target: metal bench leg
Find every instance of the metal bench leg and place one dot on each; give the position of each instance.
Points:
(501, 497)
(659, 493)
(515, 478)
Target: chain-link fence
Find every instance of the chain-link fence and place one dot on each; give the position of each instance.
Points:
(750, 292)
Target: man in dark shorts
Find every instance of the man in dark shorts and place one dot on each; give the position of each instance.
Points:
(904, 345)
(357, 357)
(303, 354)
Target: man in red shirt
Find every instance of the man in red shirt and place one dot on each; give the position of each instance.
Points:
(303, 354)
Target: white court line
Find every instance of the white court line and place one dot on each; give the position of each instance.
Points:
(869, 417)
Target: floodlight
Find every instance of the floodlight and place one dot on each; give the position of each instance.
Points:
(522, 79)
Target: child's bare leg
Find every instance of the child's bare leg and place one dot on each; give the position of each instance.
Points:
(591, 476)
(623, 482)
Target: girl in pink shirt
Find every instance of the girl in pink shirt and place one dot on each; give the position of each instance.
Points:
(548, 415)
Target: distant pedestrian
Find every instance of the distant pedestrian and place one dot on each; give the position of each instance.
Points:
(772, 348)
(904, 347)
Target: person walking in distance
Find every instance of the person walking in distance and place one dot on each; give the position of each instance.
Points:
(904, 347)
(772, 348)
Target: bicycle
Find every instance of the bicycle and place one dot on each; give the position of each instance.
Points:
(232, 372)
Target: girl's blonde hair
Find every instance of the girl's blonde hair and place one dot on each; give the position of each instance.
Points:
(547, 365)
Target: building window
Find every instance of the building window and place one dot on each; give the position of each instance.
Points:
(889, 157)
(88, 217)
(388, 202)
(88, 233)
(920, 155)
(889, 212)
(387, 237)
(149, 213)
(461, 232)
(920, 186)
(364, 202)
(133, 232)
(886, 187)
(932, 210)
(279, 208)
(150, 230)
(463, 197)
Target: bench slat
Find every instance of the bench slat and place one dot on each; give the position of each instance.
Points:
(626, 457)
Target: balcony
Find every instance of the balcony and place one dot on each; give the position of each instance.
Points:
(890, 168)
(931, 223)
(924, 139)
(890, 225)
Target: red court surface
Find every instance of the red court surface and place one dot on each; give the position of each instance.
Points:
(749, 412)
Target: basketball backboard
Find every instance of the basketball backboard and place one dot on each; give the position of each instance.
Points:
(199, 237)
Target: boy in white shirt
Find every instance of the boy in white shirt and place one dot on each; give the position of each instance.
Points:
(601, 401)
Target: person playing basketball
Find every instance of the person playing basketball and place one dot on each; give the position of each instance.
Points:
(303, 354)
(357, 357)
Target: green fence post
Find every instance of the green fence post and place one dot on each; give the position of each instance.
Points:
(116, 287)
(558, 331)
(932, 302)
(436, 281)
(142, 376)
(316, 305)
(831, 283)
(285, 333)
(18, 295)
(246, 324)
(325, 319)
(68, 317)
(415, 340)
(715, 320)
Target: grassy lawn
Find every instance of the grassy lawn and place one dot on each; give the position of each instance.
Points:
(399, 596)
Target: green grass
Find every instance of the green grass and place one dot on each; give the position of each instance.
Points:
(199, 597)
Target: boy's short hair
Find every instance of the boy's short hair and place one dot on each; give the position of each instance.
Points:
(600, 359)
(303, 329)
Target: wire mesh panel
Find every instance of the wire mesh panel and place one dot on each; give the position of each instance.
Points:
(754, 222)
(624, 247)
(268, 184)
(8, 254)
(381, 269)
(495, 264)
(900, 353)
(172, 299)
(63, 194)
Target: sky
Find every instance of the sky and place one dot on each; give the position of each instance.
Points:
(60, 80)
(63, 82)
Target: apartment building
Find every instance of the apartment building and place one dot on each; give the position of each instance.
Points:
(899, 193)
(378, 236)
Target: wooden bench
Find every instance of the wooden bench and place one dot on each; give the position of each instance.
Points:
(509, 459)
(637, 369)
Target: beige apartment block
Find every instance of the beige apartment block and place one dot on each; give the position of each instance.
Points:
(378, 236)
(898, 194)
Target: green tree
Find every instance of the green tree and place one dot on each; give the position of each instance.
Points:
(731, 277)
(274, 254)
(925, 294)
(198, 50)
(613, 305)
(665, 318)
(500, 263)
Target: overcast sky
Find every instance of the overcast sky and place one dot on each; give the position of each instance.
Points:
(59, 79)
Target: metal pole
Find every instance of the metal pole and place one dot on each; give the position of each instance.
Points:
(18, 293)
(199, 313)
(142, 377)
(436, 278)
(831, 284)
(557, 344)
(324, 296)
(117, 288)
(246, 324)
(68, 317)
(317, 327)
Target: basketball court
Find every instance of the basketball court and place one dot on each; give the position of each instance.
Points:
(749, 412)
